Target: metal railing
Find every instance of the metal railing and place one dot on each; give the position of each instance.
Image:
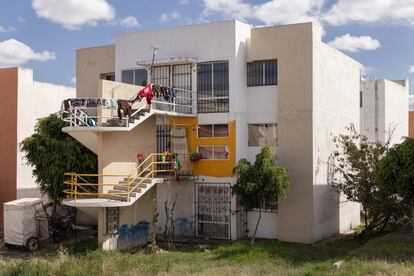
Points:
(184, 102)
(147, 169)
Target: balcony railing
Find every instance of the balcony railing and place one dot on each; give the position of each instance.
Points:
(93, 112)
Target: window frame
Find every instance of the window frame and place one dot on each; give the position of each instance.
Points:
(213, 131)
(213, 152)
(263, 72)
(133, 75)
(261, 124)
(208, 97)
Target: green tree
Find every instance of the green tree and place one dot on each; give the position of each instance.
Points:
(396, 172)
(264, 181)
(52, 152)
(354, 167)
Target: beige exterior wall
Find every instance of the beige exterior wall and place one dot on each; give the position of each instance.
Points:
(140, 212)
(91, 63)
(291, 45)
(314, 81)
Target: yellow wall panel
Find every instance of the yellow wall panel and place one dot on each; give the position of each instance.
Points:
(214, 168)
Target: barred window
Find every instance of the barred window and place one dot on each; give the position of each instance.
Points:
(260, 73)
(213, 86)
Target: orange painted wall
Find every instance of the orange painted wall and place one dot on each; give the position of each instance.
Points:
(214, 168)
(8, 136)
(411, 124)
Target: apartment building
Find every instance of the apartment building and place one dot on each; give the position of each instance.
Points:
(384, 110)
(239, 89)
(22, 98)
(411, 124)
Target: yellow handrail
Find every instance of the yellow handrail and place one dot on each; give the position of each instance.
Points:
(73, 191)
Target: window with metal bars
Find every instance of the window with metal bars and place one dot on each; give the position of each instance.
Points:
(213, 87)
(260, 73)
(212, 204)
(178, 76)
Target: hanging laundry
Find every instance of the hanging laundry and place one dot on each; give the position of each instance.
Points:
(126, 107)
(173, 91)
(146, 92)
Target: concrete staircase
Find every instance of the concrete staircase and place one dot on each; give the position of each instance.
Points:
(135, 194)
(135, 118)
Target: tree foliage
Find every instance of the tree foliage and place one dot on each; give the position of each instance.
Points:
(354, 175)
(52, 152)
(396, 172)
(264, 181)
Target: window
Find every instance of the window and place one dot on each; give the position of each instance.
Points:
(360, 98)
(205, 131)
(261, 135)
(268, 206)
(112, 220)
(261, 73)
(136, 77)
(109, 76)
(213, 86)
(213, 152)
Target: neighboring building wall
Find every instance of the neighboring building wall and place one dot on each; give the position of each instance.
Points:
(384, 110)
(411, 124)
(8, 136)
(91, 63)
(35, 100)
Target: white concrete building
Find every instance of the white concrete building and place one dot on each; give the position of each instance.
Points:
(279, 86)
(384, 109)
(24, 102)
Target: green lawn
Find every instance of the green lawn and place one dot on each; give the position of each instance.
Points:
(386, 255)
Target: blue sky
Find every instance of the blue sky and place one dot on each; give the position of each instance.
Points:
(44, 34)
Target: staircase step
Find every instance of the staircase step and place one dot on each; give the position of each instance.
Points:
(126, 181)
(116, 197)
(117, 191)
(124, 188)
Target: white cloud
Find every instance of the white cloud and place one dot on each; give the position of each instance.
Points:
(351, 43)
(288, 11)
(165, 17)
(371, 11)
(73, 80)
(73, 14)
(411, 70)
(21, 19)
(270, 12)
(411, 101)
(7, 29)
(184, 2)
(129, 22)
(232, 8)
(13, 53)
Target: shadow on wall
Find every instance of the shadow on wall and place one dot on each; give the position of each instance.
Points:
(130, 237)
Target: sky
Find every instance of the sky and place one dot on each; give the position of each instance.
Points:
(44, 34)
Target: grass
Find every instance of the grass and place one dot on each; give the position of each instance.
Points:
(386, 255)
